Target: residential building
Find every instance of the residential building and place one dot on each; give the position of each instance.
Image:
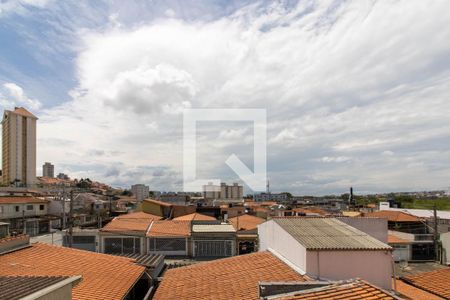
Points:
(328, 249)
(408, 291)
(63, 176)
(177, 199)
(166, 210)
(48, 170)
(258, 276)
(170, 237)
(402, 250)
(27, 214)
(102, 276)
(224, 192)
(18, 148)
(140, 191)
(195, 217)
(271, 197)
(247, 232)
(230, 278)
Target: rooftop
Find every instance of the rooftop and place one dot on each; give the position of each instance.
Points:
(22, 286)
(393, 239)
(393, 216)
(21, 199)
(229, 278)
(328, 234)
(353, 289)
(169, 228)
(103, 276)
(195, 217)
(436, 282)
(246, 222)
(213, 228)
(23, 112)
(132, 222)
(412, 292)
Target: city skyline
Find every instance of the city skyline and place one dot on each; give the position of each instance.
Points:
(356, 92)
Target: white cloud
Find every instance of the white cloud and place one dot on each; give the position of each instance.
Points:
(340, 81)
(13, 95)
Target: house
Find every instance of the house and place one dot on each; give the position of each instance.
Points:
(411, 292)
(169, 237)
(37, 287)
(102, 276)
(328, 249)
(126, 233)
(211, 239)
(255, 276)
(27, 214)
(400, 221)
(228, 279)
(435, 282)
(247, 232)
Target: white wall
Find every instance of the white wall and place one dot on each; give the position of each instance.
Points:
(445, 239)
(272, 236)
(9, 210)
(373, 266)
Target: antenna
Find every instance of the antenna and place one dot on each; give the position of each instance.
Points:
(268, 186)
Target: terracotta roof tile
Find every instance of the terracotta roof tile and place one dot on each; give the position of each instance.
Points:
(393, 239)
(196, 217)
(355, 290)
(436, 282)
(393, 216)
(246, 222)
(170, 228)
(21, 199)
(133, 222)
(230, 278)
(162, 203)
(412, 292)
(103, 276)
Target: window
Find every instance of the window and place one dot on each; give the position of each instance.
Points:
(41, 207)
(122, 245)
(1, 209)
(17, 208)
(30, 207)
(165, 244)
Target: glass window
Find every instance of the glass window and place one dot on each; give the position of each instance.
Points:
(41, 207)
(30, 207)
(17, 208)
(113, 245)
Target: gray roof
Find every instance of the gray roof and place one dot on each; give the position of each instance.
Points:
(329, 234)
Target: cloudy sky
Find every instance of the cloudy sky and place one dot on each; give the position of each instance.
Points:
(357, 93)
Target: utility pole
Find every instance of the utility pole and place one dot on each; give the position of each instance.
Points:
(71, 219)
(435, 232)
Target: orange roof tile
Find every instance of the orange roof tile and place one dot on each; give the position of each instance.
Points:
(170, 228)
(436, 282)
(311, 210)
(411, 292)
(225, 279)
(393, 216)
(132, 222)
(196, 217)
(393, 239)
(355, 290)
(21, 199)
(103, 276)
(246, 222)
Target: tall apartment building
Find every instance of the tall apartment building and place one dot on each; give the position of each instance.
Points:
(18, 147)
(48, 170)
(223, 192)
(140, 191)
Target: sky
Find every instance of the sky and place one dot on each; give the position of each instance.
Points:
(357, 93)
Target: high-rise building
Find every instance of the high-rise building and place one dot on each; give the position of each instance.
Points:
(140, 191)
(48, 170)
(223, 192)
(19, 147)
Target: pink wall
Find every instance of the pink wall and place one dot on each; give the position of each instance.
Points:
(372, 266)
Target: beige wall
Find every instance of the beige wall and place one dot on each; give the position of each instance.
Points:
(64, 292)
